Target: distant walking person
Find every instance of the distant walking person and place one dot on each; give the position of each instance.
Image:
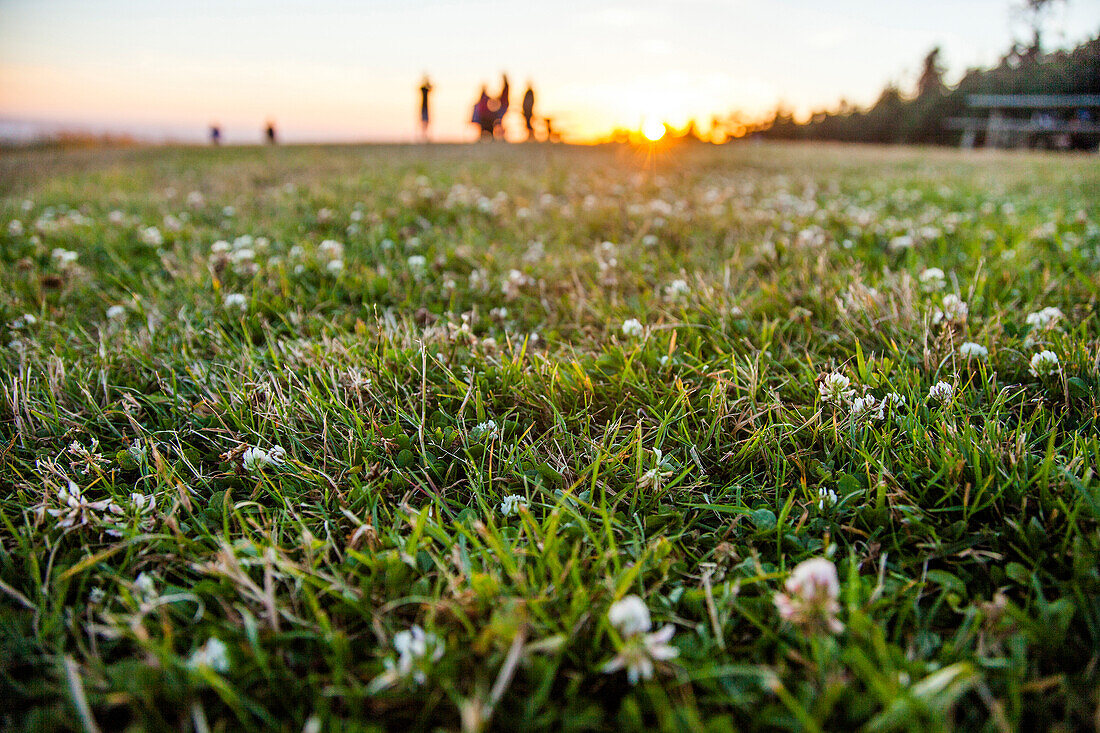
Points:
(502, 107)
(529, 110)
(425, 90)
(269, 133)
(483, 115)
(215, 135)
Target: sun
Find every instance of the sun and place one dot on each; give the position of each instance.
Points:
(653, 129)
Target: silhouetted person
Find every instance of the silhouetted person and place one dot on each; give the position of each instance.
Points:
(529, 110)
(551, 136)
(269, 131)
(425, 90)
(502, 107)
(484, 115)
(215, 135)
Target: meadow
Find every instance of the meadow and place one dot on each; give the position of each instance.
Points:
(549, 438)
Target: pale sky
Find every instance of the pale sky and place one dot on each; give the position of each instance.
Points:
(349, 70)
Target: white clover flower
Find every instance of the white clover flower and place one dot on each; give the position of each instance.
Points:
(416, 643)
(650, 240)
(256, 458)
(143, 503)
(417, 263)
(485, 429)
(74, 510)
(172, 223)
(25, 320)
(629, 615)
(214, 654)
(932, 279)
(834, 388)
(229, 211)
(245, 254)
(512, 504)
(15, 227)
(954, 310)
(152, 236)
(892, 401)
(97, 596)
(417, 650)
(633, 327)
(640, 652)
(1044, 364)
(237, 301)
(971, 350)
(64, 257)
(825, 497)
(677, 289)
(810, 600)
(900, 242)
(656, 476)
(195, 199)
(145, 507)
(331, 249)
(335, 266)
(116, 312)
(1046, 318)
(220, 247)
(88, 460)
(145, 588)
(513, 283)
(866, 408)
(535, 252)
(499, 313)
(941, 392)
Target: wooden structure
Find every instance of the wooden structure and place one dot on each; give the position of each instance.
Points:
(1052, 121)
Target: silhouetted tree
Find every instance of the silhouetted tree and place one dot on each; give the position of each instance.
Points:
(931, 75)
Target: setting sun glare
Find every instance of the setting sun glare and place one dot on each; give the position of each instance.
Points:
(653, 130)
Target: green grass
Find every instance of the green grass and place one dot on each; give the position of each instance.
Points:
(965, 534)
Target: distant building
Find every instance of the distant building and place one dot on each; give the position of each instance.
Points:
(1047, 121)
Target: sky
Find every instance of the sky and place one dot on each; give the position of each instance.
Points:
(344, 70)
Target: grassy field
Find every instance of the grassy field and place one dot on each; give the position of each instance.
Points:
(544, 438)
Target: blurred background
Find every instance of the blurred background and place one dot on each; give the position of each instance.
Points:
(337, 70)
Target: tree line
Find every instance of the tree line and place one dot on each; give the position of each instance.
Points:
(918, 117)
